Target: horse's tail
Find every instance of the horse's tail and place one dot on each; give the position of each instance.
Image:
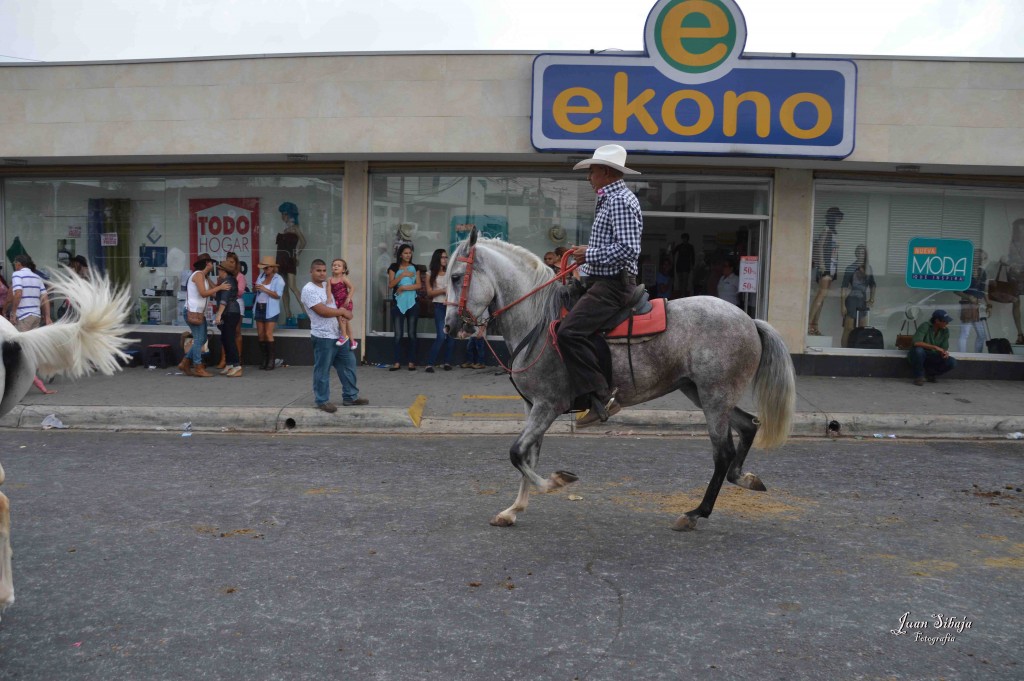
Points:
(92, 339)
(774, 388)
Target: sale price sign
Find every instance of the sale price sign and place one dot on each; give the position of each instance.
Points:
(748, 274)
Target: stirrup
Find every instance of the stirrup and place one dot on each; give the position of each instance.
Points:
(599, 411)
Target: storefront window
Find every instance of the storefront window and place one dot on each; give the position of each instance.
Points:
(721, 220)
(862, 237)
(144, 233)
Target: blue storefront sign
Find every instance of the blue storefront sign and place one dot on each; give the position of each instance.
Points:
(939, 264)
(693, 92)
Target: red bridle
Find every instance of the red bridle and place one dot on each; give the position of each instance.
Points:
(468, 318)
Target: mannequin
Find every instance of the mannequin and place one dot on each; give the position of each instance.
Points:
(857, 294)
(1015, 260)
(290, 243)
(973, 302)
(824, 265)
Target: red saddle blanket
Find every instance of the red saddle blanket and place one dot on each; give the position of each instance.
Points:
(643, 324)
(649, 324)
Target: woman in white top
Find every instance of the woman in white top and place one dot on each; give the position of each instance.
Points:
(437, 291)
(199, 289)
(269, 288)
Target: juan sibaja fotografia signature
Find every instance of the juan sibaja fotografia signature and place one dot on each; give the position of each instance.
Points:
(937, 629)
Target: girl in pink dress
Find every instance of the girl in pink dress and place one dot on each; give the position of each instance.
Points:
(342, 289)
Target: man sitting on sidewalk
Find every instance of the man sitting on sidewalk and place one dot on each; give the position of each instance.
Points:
(929, 354)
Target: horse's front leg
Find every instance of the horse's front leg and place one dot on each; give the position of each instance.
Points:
(6, 578)
(524, 454)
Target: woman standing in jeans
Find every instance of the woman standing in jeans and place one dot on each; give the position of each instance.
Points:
(199, 289)
(437, 291)
(404, 281)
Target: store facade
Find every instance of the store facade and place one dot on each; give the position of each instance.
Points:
(139, 166)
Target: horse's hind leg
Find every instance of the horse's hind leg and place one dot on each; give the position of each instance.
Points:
(746, 428)
(525, 453)
(724, 453)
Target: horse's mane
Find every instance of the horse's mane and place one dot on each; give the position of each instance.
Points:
(546, 303)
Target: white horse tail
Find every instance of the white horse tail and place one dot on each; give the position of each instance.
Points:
(91, 339)
(774, 388)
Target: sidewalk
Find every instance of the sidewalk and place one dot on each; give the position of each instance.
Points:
(479, 401)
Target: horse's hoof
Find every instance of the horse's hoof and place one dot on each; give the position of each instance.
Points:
(501, 521)
(751, 482)
(563, 478)
(685, 524)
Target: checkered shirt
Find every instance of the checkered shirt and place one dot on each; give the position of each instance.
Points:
(615, 236)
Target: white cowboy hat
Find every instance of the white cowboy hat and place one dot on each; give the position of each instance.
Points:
(556, 234)
(611, 155)
(407, 229)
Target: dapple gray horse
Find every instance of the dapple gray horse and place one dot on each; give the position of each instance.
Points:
(711, 351)
(90, 340)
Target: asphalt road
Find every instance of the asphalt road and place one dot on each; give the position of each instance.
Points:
(299, 557)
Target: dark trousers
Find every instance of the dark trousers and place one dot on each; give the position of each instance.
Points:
(228, 333)
(442, 341)
(930, 363)
(590, 314)
(402, 321)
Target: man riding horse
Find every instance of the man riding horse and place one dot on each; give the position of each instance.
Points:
(609, 268)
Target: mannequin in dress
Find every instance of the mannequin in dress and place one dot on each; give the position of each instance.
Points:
(290, 243)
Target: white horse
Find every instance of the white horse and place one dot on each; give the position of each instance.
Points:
(711, 351)
(89, 340)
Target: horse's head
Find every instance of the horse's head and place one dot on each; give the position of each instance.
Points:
(470, 289)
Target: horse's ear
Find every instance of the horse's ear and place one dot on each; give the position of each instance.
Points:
(472, 236)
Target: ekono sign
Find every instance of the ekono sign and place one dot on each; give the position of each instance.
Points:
(692, 92)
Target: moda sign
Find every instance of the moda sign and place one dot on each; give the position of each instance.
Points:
(939, 264)
(692, 92)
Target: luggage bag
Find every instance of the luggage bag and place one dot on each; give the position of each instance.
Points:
(996, 346)
(864, 337)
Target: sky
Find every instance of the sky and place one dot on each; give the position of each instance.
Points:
(99, 30)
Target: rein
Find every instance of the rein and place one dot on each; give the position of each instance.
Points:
(468, 318)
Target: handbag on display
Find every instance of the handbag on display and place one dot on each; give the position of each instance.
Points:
(1002, 290)
(904, 341)
(970, 310)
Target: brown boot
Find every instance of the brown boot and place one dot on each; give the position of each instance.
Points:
(271, 359)
(186, 366)
(265, 353)
(200, 372)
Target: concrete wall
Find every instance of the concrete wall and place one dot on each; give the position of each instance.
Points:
(339, 104)
(908, 111)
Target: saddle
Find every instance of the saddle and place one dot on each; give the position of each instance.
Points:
(638, 320)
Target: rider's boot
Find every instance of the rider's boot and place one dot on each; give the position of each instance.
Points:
(601, 409)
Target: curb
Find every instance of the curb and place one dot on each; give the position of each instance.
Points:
(398, 420)
(215, 419)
